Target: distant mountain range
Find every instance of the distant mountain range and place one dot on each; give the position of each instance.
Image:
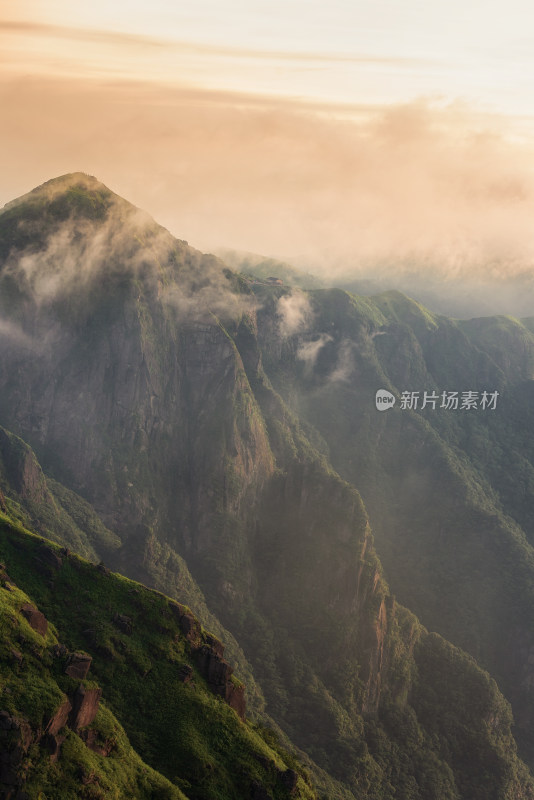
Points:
(214, 436)
(461, 296)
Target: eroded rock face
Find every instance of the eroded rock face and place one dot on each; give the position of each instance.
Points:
(76, 712)
(218, 674)
(212, 667)
(84, 707)
(60, 718)
(374, 642)
(36, 618)
(189, 624)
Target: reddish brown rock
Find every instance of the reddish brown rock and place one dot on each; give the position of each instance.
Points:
(84, 707)
(213, 668)
(36, 619)
(78, 666)
(215, 644)
(60, 718)
(217, 673)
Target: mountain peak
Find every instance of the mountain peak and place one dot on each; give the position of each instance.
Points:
(75, 206)
(80, 189)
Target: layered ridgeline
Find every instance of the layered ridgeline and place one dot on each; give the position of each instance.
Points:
(449, 490)
(131, 364)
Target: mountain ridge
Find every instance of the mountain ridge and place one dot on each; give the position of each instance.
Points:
(152, 394)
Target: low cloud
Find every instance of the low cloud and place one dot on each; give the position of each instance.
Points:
(308, 352)
(13, 334)
(294, 313)
(69, 256)
(344, 363)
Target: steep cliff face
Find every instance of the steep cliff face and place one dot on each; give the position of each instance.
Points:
(64, 517)
(131, 364)
(448, 491)
(120, 372)
(123, 369)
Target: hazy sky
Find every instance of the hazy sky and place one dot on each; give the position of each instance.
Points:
(371, 51)
(336, 133)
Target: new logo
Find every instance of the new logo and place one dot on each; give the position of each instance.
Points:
(384, 400)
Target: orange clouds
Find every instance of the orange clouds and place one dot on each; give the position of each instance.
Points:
(416, 184)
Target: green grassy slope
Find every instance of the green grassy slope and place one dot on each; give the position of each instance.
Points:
(140, 654)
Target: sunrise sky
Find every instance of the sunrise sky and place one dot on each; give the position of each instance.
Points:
(330, 134)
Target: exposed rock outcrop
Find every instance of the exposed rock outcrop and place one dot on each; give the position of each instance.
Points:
(36, 618)
(60, 718)
(208, 655)
(85, 704)
(218, 675)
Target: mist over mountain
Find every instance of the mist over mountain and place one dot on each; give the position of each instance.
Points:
(216, 438)
(461, 295)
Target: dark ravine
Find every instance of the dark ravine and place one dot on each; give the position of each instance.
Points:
(141, 373)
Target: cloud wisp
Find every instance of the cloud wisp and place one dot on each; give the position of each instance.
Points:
(294, 313)
(107, 242)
